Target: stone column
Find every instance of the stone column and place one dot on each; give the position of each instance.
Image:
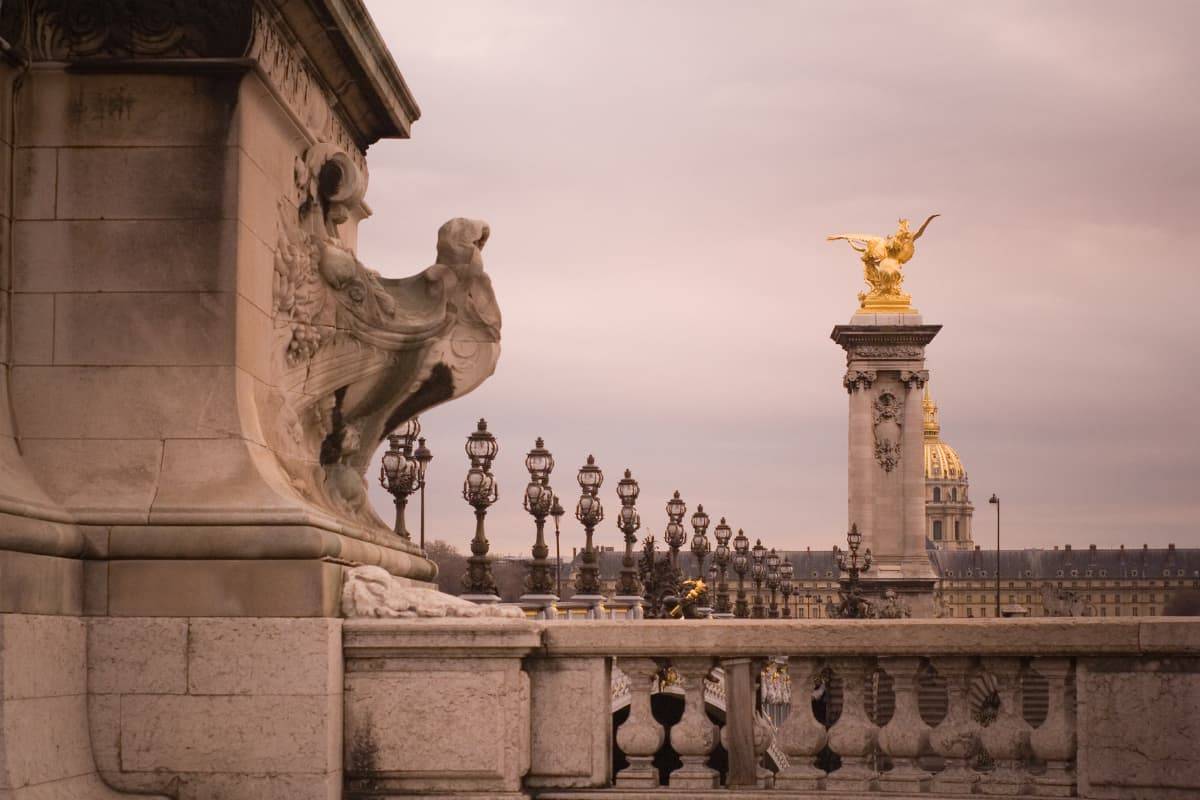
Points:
(1053, 742)
(641, 735)
(853, 736)
(800, 735)
(694, 736)
(885, 375)
(1007, 737)
(901, 737)
(956, 737)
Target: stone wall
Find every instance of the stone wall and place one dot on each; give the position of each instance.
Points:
(217, 708)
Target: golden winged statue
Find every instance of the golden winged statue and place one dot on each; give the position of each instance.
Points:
(882, 258)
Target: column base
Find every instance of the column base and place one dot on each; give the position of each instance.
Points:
(1002, 782)
(625, 606)
(481, 599)
(694, 775)
(954, 780)
(800, 777)
(540, 605)
(902, 779)
(854, 776)
(1057, 782)
(640, 774)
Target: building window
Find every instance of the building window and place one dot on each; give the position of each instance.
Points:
(953, 494)
(1104, 612)
(937, 529)
(956, 536)
(970, 612)
(937, 494)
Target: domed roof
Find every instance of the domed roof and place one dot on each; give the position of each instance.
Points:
(941, 462)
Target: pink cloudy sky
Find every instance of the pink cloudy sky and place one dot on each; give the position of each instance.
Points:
(660, 177)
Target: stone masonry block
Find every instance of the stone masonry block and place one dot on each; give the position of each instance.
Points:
(46, 739)
(33, 328)
(277, 734)
(44, 656)
(137, 655)
(116, 476)
(35, 174)
(265, 656)
(146, 182)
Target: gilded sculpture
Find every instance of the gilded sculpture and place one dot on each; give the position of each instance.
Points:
(883, 257)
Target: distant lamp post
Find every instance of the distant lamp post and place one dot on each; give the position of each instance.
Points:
(480, 491)
(773, 579)
(996, 501)
(539, 499)
(423, 455)
(721, 556)
(741, 563)
(628, 522)
(400, 472)
(675, 535)
(787, 571)
(700, 545)
(590, 513)
(557, 511)
(758, 571)
(710, 586)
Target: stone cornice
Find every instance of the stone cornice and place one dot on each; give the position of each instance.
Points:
(324, 57)
(849, 336)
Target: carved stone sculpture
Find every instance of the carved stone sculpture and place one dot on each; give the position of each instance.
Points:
(374, 592)
(357, 354)
(889, 415)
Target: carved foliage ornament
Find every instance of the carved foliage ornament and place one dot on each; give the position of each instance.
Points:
(886, 351)
(914, 379)
(889, 413)
(858, 380)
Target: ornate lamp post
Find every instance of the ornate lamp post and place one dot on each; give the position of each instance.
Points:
(628, 522)
(710, 586)
(557, 511)
(423, 455)
(590, 513)
(852, 605)
(675, 535)
(773, 579)
(741, 563)
(539, 499)
(721, 561)
(758, 571)
(787, 572)
(399, 472)
(700, 546)
(480, 490)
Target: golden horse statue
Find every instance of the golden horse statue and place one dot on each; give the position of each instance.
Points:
(883, 257)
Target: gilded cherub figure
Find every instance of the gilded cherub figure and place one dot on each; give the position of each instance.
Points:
(882, 259)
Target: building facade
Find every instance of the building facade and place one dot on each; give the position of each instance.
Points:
(948, 508)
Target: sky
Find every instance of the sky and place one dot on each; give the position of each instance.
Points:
(660, 177)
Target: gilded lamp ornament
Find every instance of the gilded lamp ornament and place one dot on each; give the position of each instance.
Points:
(883, 258)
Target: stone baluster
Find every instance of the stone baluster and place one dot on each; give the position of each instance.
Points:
(694, 736)
(800, 736)
(903, 735)
(852, 737)
(1006, 738)
(641, 735)
(956, 737)
(1053, 742)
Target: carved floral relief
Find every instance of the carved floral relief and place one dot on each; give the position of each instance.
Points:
(889, 413)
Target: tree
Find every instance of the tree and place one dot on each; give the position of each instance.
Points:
(452, 565)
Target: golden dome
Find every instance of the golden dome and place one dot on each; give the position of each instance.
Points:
(941, 462)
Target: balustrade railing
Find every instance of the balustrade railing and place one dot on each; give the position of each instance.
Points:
(799, 708)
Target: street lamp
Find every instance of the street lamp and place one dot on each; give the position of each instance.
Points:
(557, 511)
(590, 513)
(480, 491)
(399, 472)
(758, 571)
(675, 535)
(721, 561)
(539, 499)
(852, 605)
(996, 501)
(423, 455)
(700, 546)
(628, 522)
(741, 562)
(773, 579)
(787, 571)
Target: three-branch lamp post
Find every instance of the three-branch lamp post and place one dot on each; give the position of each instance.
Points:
(539, 500)
(480, 491)
(628, 522)
(787, 571)
(402, 472)
(590, 513)
(773, 579)
(741, 563)
(721, 557)
(700, 545)
(676, 535)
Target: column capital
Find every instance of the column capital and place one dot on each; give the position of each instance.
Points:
(858, 379)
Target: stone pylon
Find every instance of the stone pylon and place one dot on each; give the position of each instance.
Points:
(885, 376)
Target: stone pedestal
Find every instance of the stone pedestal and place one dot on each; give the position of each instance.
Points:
(625, 607)
(885, 376)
